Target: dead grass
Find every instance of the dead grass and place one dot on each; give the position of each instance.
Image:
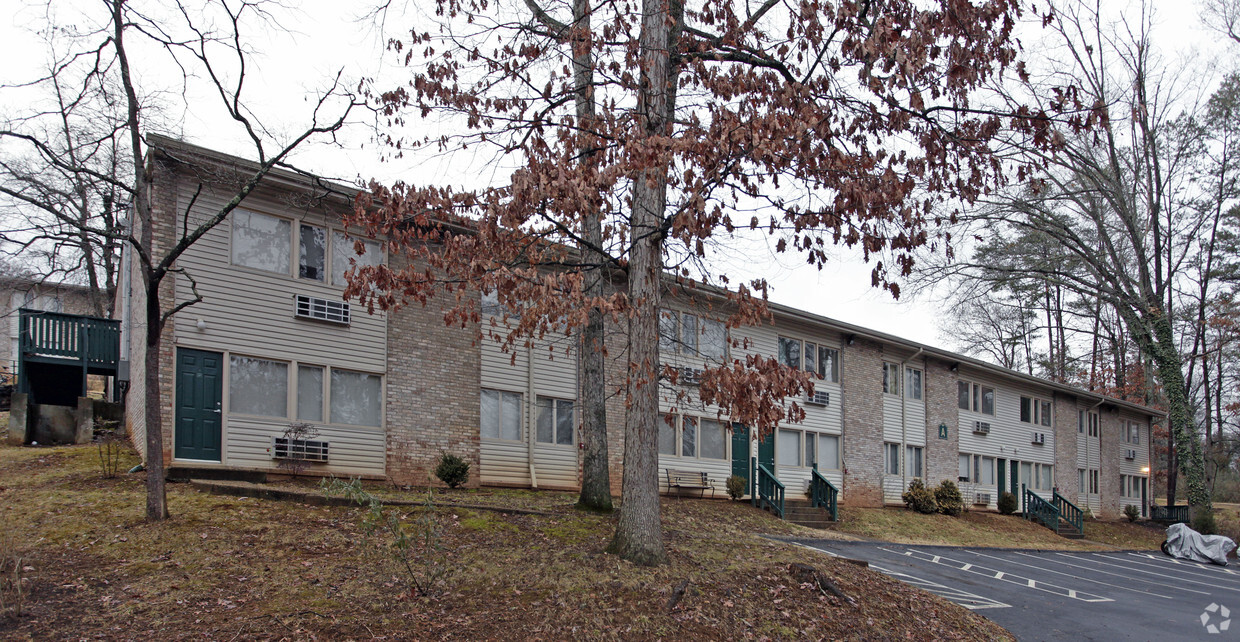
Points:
(984, 528)
(236, 568)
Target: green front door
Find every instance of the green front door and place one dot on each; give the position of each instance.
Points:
(740, 451)
(766, 452)
(1002, 476)
(199, 387)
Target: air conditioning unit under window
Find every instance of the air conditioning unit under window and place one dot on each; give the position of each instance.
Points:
(1039, 437)
(981, 427)
(819, 398)
(981, 499)
(1130, 454)
(690, 376)
(301, 449)
(311, 307)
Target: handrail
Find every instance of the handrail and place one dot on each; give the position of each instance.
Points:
(1037, 508)
(1070, 512)
(1170, 514)
(93, 340)
(824, 494)
(770, 491)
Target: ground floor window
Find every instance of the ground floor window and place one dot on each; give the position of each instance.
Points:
(555, 421)
(1037, 476)
(501, 415)
(356, 398)
(694, 437)
(912, 461)
(892, 455)
(1093, 481)
(828, 455)
(257, 387)
(1130, 486)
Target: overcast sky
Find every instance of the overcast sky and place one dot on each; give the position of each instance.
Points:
(327, 37)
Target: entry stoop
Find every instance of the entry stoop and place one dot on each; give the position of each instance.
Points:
(799, 511)
(1068, 531)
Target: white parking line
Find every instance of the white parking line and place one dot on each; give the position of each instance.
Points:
(1161, 581)
(971, 601)
(1196, 568)
(1003, 576)
(1073, 576)
(1162, 574)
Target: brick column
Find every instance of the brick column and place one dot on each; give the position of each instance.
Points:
(862, 383)
(1109, 458)
(1066, 478)
(942, 455)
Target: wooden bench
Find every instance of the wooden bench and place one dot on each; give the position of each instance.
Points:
(691, 480)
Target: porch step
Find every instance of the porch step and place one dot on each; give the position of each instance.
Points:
(1068, 531)
(800, 512)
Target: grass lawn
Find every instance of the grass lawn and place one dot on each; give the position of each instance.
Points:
(984, 528)
(232, 568)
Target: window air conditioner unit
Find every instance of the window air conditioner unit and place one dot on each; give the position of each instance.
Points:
(691, 376)
(1039, 438)
(981, 427)
(311, 307)
(300, 449)
(1130, 454)
(981, 499)
(819, 398)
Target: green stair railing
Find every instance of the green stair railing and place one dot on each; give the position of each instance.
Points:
(1070, 512)
(1034, 507)
(770, 492)
(823, 494)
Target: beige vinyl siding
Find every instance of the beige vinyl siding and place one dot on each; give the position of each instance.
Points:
(1009, 437)
(553, 361)
(907, 429)
(1135, 466)
(252, 311)
(353, 450)
(1088, 457)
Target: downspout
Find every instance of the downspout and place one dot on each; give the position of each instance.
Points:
(903, 383)
(531, 411)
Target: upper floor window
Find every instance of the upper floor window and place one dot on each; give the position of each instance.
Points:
(975, 397)
(261, 242)
(343, 250)
(811, 357)
(555, 421)
(689, 334)
(891, 378)
(912, 384)
(1132, 433)
(1035, 411)
(312, 253)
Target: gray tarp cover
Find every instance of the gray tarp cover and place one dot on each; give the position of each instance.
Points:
(1186, 543)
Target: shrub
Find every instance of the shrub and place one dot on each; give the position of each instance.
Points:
(737, 486)
(1008, 503)
(1131, 513)
(296, 462)
(1203, 522)
(109, 442)
(452, 470)
(920, 498)
(948, 497)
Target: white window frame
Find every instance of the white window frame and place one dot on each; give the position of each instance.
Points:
(521, 418)
(890, 387)
(672, 336)
(382, 397)
(677, 427)
(234, 220)
(975, 401)
(818, 350)
(326, 232)
(915, 461)
(914, 383)
(891, 458)
(1041, 411)
(289, 370)
(556, 405)
(839, 452)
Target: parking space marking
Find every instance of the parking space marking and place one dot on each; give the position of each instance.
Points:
(1001, 575)
(1197, 568)
(1162, 581)
(1075, 577)
(971, 601)
(1161, 574)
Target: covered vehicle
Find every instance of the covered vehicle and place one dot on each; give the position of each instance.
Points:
(1187, 544)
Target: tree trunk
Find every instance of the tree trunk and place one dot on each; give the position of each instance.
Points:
(156, 494)
(1179, 411)
(639, 533)
(595, 471)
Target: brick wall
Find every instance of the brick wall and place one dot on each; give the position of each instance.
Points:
(433, 378)
(1110, 455)
(1067, 479)
(942, 455)
(862, 383)
(616, 372)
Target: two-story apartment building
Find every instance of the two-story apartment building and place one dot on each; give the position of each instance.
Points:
(274, 343)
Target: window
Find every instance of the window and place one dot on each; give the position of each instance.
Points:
(912, 385)
(828, 456)
(1132, 433)
(688, 334)
(965, 467)
(1130, 486)
(668, 325)
(1080, 428)
(1047, 477)
(692, 437)
(684, 333)
(1037, 476)
(913, 461)
(356, 398)
(714, 340)
(1093, 481)
(1080, 479)
(1094, 424)
(891, 378)
(501, 415)
(555, 421)
(975, 397)
(260, 241)
(892, 456)
(257, 387)
(810, 357)
(984, 468)
(343, 251)
(788, 448)
(309, 393)
(312, 253)
(1035, 411)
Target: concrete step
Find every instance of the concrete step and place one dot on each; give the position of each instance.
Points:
(820, 524)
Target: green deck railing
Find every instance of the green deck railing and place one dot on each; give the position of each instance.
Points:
(1033, 507)
(824, 494)
(1069, 512)
(770, 493)
(1170, 514)
(90, 340)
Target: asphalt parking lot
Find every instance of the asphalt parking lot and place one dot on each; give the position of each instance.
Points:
(1054, 595)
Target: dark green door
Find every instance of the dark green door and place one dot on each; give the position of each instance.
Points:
(199, 381)
(740, 451)
(766, 452)
(1002, 476)
(1015, 472)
